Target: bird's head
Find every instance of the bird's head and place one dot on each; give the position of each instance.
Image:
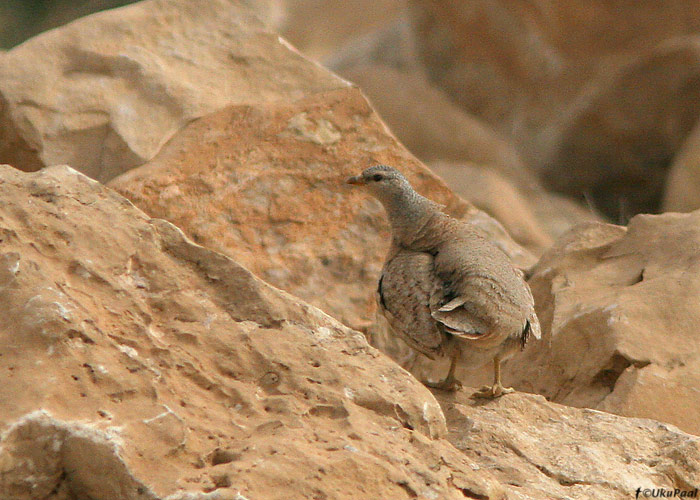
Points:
(383, 182)
(406, 209)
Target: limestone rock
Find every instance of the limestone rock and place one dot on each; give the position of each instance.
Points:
(138, 364)
(105, 92)
(545, 450)
(618, 320)
(265, 184)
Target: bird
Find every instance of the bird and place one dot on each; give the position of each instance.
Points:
(445, 289)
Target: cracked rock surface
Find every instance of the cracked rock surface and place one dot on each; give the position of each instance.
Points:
(139, 364)
(545, 450)
(145, 352)
(186, 372)
(618, 313)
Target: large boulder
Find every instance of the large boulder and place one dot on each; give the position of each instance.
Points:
(105, 92)
(544, 450)
(266, 185)
(619, 315)
(140, 365)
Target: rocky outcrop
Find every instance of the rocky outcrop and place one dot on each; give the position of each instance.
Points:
(140, 365)
(265, 184)
(617, 312)
(544, 450)
(167, 367)
(105, 92)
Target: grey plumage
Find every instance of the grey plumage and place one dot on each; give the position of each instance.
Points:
(445, 289)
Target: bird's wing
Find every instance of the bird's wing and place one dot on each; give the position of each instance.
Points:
(403, 296)
(472, 292)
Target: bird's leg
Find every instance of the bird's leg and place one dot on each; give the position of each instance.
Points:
(496, 389)
(449, 383)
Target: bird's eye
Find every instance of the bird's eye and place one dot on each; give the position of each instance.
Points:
(377, 177)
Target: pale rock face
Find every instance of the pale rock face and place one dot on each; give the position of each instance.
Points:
(141, 365)
(545, 450)
(105, 92)
(618, 313)
(179, 369)
(138, 364)
(265, 184)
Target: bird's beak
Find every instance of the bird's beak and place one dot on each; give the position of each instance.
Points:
(355, 179)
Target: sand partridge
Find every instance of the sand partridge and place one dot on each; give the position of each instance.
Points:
(445, 289)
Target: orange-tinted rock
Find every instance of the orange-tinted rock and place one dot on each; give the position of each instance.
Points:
(140, 365)
(137, 364)
(266, 185)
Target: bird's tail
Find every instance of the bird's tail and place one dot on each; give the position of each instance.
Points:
(525, 335)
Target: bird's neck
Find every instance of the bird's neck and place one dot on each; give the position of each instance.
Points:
(409, 214)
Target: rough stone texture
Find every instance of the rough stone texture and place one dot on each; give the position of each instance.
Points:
(140, 365)
(544, 450)
(137, 361)
(265, 184)
(603, 109)
(619, 320)
(105, 92)
(682, 192)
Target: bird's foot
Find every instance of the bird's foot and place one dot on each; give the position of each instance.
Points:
(449, 384)
(492, 392)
